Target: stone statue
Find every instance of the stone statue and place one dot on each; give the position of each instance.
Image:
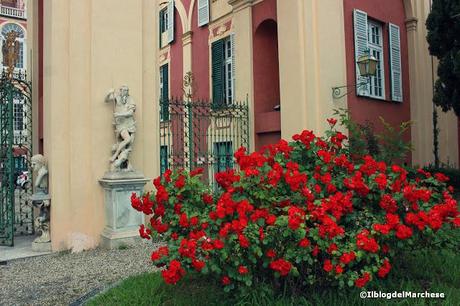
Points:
(41, 199)
(125, 128)
(39, 165)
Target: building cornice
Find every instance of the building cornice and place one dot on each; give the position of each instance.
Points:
(239, 5)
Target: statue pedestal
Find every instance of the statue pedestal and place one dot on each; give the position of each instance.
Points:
(122, 221)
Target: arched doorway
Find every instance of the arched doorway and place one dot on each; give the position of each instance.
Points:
(267, 106)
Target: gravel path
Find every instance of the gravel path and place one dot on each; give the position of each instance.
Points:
(62, 278)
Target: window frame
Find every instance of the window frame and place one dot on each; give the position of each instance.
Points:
(225, 146)
(377, 50)
(226, 65)
(164, 115)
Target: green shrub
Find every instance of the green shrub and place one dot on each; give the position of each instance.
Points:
(300, 213)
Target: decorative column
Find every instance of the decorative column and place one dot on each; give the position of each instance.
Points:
(244, 79)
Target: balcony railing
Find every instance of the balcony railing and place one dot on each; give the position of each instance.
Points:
(12, 12)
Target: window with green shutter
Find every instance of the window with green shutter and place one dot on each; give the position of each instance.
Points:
(223, 151)
(223, 71)
(163, 159)
(164, 93)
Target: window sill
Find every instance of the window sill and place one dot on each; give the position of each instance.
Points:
(379, 99)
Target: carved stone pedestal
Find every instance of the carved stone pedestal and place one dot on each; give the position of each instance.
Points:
(122, 221)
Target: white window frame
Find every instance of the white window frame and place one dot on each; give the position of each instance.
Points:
(375, 45)
(164, 16)
(229, 70)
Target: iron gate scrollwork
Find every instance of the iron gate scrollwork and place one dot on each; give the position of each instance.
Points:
(16, 211)
(197, 134)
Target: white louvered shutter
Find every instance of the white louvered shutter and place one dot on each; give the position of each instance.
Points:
(203, 12)
(170, 21)
(232, 41)
(395, 63)
(361, 46)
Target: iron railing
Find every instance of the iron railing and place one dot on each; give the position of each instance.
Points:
(16, 211)
(12, 12)
(197, 134)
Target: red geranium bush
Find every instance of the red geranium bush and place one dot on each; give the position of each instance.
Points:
(302, 212)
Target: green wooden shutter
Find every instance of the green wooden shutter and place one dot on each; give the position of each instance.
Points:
(395, 63)
(218, 72)
(361, 46)
(163, 159)
(161, 26)
(165, 93)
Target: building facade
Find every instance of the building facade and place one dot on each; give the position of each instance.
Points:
(285, 56)
(280, 58)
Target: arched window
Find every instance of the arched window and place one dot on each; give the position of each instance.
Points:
(14, 27)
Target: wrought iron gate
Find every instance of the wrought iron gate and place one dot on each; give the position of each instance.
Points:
(201, 134)
(16, 211)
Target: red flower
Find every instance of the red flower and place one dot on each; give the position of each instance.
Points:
(207, 199)
(244, 242)
(332, 247)
(362, 281)
(338, 269)
(346, 258)
(456, 222)
(180, 182)
(243, 270)
(196, 171)
(183, 221)
(385, 249)
(384, 269)
(315, 251)
(174, 273)
(382, 228)
(328, 265)
(332, 122)
(161, 252)
(270, 253)
(403, 231)
(270, 220)
(365, 243)
(295, 217)
(303, 243)
(381, 181)
(194, 221)
(281, 266)
(198, 264)
(177, 208)
(261, 234)
(144, 232)
(218, 244)
(441, 177)
(226, 281)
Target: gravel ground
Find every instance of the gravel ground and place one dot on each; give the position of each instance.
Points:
(63, 278)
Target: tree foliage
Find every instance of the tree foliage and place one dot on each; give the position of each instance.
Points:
(443, 25)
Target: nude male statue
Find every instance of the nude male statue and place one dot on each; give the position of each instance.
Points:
(124, 122)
